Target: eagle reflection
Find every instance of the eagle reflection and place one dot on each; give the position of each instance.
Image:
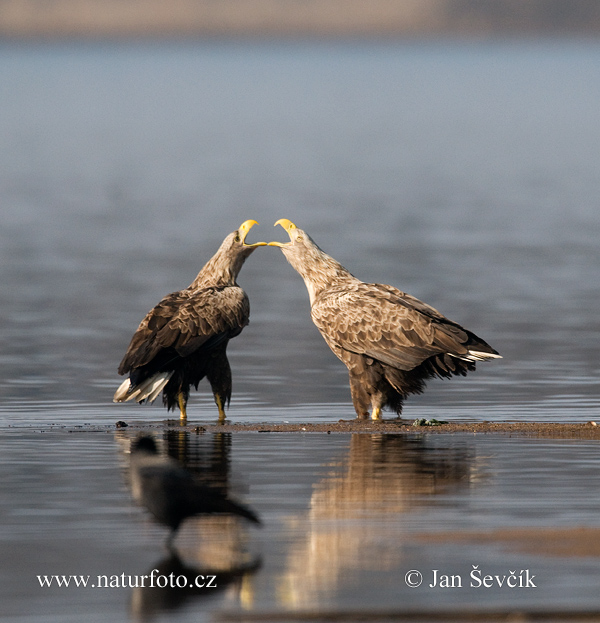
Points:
(362, 506)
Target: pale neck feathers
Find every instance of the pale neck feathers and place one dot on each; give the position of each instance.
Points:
(318, 269)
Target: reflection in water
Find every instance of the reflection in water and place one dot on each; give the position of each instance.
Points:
(172, 493)
(354, 511)
(208, 456)
(218, 543)
(186, 583)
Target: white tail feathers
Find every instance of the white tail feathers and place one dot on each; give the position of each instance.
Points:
(474, 355)
(121, 393)
(149, 389)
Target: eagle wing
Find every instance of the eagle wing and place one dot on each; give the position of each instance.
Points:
(386, 324)
(187, 322)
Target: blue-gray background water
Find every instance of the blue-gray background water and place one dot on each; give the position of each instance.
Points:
(463, 173)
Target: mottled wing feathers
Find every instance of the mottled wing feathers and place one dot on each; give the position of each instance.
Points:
(386, 324)
(186, 322)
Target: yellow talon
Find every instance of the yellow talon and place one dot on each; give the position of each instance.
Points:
(182, 409)
(221, 408)
(376, 413)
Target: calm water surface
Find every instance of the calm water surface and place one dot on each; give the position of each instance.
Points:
(464, 174)
(345, 517)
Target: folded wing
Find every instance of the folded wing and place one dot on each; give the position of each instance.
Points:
(383, 323)
(183, 324)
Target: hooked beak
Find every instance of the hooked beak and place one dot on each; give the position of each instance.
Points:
(288, 226)
(244, 228)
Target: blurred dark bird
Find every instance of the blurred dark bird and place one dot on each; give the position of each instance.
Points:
(390, 341)
(172, 493)
(184, 338)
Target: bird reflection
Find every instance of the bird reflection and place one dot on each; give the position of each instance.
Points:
(357, 510)
(388, 473)
(207, 456)
(173, 493)
(170, 584)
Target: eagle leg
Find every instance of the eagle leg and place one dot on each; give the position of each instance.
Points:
(181, 400)
(376, 413)
(221, 407)
(218, 373)
(360, 398)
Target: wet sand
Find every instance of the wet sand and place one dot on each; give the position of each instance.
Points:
(579, 541)
(552, 430)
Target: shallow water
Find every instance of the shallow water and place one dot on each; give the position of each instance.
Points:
(345, 518)
(463, 173)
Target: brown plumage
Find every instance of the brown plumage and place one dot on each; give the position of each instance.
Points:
(184, 338)
(390, 341)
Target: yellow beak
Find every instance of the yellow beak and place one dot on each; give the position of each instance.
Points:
(288, 226)
(244, 228)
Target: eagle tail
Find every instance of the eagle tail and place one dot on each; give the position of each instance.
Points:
(148, 389)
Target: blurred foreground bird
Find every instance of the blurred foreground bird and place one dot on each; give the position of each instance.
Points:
(390, 341)
(184, 338)
(172, 493)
